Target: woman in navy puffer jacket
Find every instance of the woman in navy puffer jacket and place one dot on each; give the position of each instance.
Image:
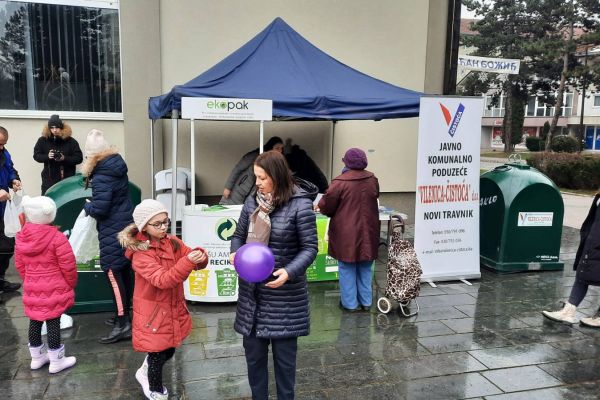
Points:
(276, 311)
(112, 209)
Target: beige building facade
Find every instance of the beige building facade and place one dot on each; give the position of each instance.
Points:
(168, 42)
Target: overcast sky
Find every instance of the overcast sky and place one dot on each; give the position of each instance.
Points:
(464, 13)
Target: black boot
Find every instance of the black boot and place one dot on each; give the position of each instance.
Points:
(119, 332)
(111, 321)
(6, 286)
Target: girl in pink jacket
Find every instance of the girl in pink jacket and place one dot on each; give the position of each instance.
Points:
(45, 261)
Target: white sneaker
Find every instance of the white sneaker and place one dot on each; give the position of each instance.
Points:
(592, 322)
(566, 315)
(39, 356)
(141, 375)
(159, 396)
(58, 361)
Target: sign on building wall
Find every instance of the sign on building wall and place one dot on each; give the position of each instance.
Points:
(226, 109)
(447, 197)
(488, 64)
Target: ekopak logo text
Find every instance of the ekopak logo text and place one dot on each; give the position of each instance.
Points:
(227, 105)
(455, 121)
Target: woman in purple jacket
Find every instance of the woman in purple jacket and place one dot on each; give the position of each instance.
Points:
(351, 203)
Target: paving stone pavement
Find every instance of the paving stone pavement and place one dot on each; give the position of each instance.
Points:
(485, 341)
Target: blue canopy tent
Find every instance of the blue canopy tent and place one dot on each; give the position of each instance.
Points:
(303, 82)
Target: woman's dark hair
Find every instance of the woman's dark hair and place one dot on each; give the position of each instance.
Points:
(274, 164)
(271, 143)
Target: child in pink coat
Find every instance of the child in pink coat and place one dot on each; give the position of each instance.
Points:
(45, 261)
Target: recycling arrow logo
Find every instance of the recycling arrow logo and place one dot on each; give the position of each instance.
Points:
(226, 228)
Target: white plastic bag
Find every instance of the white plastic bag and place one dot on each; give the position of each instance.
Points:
(66, 322)
(12, 225)
(84, 238)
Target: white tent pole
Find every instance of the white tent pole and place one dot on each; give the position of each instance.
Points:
(152, 185)
(193, 161)
(174, 121)
(262, 137)
(332, 138)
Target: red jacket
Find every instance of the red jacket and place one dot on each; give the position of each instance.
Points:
(45, 261)
(160, 316)
(351, 203)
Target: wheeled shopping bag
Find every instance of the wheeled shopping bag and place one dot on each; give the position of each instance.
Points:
(403, 271)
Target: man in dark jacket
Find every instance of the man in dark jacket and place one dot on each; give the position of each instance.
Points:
(351, 203)
(9, 178)
(58, 151)
(305, 168)
(241, 179)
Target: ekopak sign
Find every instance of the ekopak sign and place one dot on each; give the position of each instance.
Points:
(226, 109)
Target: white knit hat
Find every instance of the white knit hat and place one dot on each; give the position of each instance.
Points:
(147, 209)
(95, 143)
(39, 210)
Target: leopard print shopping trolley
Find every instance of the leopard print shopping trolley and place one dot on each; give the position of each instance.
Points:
(403, 271)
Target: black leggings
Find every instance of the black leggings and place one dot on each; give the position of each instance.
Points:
(155, 366)
(121, 283)
(35, 333)
(4, 263)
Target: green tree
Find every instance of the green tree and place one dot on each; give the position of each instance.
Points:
(561, 43)
(508, 29)
(545, 130)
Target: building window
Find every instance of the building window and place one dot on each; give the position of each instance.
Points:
(542, 109)
(537, 108)
(567, 108)
(530, 111)
(56, 57)
(597, 100)
(491, 110)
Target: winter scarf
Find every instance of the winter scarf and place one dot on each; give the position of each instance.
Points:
(259, 229)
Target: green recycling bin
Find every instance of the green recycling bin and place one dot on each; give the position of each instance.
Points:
(93, 293)
(521, 216)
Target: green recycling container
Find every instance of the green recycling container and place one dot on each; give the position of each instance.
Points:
(521, 216)
(93, 293)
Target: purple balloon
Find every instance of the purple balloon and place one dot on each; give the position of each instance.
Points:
(254, 262)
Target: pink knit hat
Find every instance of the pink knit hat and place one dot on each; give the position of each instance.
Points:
(147, 209)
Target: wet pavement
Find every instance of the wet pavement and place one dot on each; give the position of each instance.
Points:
(485, 341)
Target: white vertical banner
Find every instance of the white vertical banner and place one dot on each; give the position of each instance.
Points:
(447, 203)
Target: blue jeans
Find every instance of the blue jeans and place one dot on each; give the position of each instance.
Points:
(355, 284)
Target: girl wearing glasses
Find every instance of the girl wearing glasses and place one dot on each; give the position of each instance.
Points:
(162, 263)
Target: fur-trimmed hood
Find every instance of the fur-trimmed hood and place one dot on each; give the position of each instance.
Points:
(89, 164)
(65, 132)
(132, 239)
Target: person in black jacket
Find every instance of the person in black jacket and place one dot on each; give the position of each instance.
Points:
(111, 207)
(305, 168)
(241, 179)
(587, 267)
(9, 179)
(58, 151)
(276, 311)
